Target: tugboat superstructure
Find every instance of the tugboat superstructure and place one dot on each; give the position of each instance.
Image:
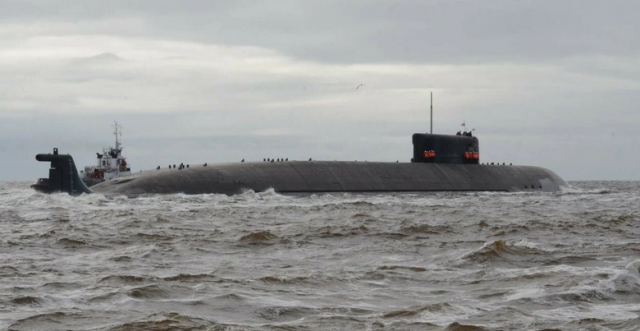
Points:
(110, 163)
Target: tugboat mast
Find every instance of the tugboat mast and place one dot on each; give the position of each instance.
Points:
(117, 131)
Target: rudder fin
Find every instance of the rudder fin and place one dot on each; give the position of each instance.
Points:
(63, 175)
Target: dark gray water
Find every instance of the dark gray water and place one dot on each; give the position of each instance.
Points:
(453, 261)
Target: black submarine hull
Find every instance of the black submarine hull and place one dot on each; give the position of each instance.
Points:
(335, 176)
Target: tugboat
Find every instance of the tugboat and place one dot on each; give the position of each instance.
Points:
(110, 164)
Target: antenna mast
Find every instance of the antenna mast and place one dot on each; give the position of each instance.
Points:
(431, 122)
(118, 133)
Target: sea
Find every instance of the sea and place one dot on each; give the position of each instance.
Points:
(342, 261)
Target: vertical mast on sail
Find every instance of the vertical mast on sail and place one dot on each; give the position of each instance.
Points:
(431, 122)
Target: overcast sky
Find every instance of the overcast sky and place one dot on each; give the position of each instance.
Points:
(547, 83)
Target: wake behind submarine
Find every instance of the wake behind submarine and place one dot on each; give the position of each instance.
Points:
(439, 163)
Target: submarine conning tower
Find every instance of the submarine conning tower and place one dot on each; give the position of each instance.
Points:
(462, 148)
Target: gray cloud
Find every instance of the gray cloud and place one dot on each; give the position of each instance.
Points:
(364, 31)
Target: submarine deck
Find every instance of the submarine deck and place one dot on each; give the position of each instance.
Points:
(334, 176)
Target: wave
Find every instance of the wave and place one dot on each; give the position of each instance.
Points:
(455, 326)
(411, 312)
(121, 258)
(169, 322)
(258, 238)
(282, 313)
(230, 297)
(71, 243)
(26, 300)
(397, 267)
(154, 237)
(574, 190)
(124, 279)
(40, 321)
(338, 231)
(188, 278)
(501, 250)
(9, 271)
(291, 313)
(298, 280)
(627, 281)
(425, 229)
(148, 292)
(59, 320)
(283, 280)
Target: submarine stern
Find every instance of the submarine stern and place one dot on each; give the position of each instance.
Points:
(63, 175)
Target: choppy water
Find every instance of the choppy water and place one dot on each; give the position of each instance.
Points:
(452, 261)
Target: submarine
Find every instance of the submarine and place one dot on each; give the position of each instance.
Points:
(439, 163)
